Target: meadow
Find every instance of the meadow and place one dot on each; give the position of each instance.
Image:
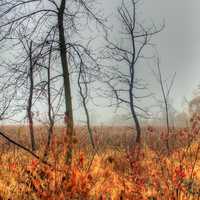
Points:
(116, 170)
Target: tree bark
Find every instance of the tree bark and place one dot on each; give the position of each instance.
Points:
(131, 84)
(51, 120)
(165, 97)
(29, 107)
(84, 102)
(67, 90)
(135, 118)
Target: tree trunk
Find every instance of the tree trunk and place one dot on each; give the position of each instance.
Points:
(88, 125)
(67, 90)
(29, 107)
(167, 122)
(51, 120)
(135, 118)
(84, 98)
(47, 149)
(131, 96)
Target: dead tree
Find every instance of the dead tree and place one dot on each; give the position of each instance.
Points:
(66, 78)
(30, 99)
(83, 87)
(165, 89)
(50, 108)
(33, 55)
(122, 78)
(38, 22)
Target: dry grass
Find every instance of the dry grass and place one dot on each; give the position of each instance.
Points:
(116, 172)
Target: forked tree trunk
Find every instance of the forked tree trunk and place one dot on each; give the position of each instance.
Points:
(67, 90)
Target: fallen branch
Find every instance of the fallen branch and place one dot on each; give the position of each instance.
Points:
(28, 151)
(22, 147)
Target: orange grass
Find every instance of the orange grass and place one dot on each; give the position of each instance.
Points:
(115, 172)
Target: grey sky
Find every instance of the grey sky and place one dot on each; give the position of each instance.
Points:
(178, 45)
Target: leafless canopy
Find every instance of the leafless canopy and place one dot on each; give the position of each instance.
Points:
(126, 54)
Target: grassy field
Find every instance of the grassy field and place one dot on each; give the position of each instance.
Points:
(118, 170)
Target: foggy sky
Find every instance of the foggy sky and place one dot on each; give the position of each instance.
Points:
(178, 45)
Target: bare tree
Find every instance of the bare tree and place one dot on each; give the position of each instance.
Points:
(30, 99)
(66, 78)
(165, 89)
(50, 108)
(126, 56)
(34, 53)
(83, 87)
(38, 19)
